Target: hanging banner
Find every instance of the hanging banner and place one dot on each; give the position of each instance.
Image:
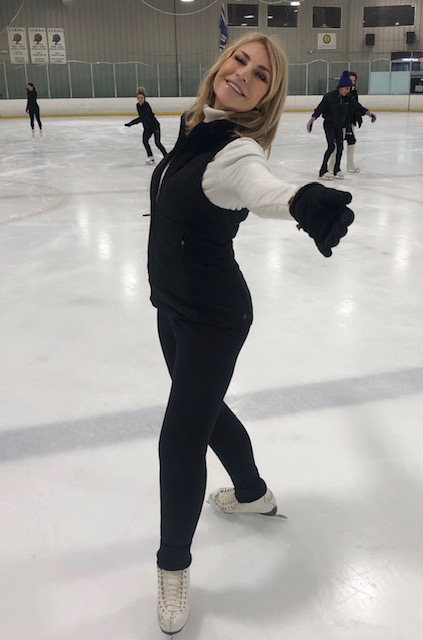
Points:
(18, 47)
(326, 40)
(38, 46)
(223, 29)
(56, 45)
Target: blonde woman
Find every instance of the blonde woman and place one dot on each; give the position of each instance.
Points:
(150, 123)
(200, 193)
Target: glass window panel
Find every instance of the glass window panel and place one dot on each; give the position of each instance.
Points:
(297, 79)
(59, 80)
(417, 66)
(399, 55)
(126, 79)
(400, 66)
(243, 15)
(81, 79)
(37, 75)
(147, 77)
(389, 16)
(104, 84)
(335, 72)
(379, 65)
(317, 78)
(362, 69)
(327, 17)
(190, 79)
(16, 80)
(3, 91)
(168, 79)
(278, 16)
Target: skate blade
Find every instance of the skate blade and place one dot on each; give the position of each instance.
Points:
(271, 515)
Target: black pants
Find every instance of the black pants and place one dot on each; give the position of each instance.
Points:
(146, 137)
(35, 112)
(334, 137)
(201, 361)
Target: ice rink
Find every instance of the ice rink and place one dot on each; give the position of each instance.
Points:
(329, 385)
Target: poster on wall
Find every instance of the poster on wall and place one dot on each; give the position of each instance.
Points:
(38, 46)
(326, 40)
(18, 47)
(56, 45)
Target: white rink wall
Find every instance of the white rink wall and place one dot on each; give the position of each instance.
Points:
(162, 106)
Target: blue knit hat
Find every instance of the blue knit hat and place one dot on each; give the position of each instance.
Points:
(345, 80)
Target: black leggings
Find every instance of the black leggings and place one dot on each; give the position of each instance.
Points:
(146, 137)
(201, 361)
(334, 136)
(35, 113)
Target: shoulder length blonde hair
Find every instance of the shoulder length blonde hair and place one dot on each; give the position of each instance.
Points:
(260, 123)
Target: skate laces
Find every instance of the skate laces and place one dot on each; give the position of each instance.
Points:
(226, 498)
(173, 589)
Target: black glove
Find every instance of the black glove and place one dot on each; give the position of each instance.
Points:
(127, 124)
(323, 214)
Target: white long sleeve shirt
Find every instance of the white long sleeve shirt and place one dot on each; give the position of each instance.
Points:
(238, 176)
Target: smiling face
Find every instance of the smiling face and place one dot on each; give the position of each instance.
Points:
(243, 80)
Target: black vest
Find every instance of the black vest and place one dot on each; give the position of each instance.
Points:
(192, 269)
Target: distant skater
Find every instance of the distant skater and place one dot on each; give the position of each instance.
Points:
(349, 133)
(352, 121)
(32, 107)
(338, 111)
(150, 123)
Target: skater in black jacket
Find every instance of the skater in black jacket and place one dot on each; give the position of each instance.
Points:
(32, 107)
(338, 110)
(353, 119)
(150, 123)
(200, 193)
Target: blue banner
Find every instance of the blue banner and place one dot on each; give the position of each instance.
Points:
(223, 29)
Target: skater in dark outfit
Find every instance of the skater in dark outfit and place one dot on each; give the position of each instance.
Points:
(353, 119)
(150, 123)
(338, 110)
(357, 120)
(200, 193)
(32, 107)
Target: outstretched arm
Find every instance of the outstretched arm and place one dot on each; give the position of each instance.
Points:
(135, 121)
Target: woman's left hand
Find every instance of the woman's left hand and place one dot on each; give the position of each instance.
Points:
(323, 214)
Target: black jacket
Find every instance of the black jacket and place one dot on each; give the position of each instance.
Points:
(146, 117)
(339, 110)
(192, 269)
(31, 104)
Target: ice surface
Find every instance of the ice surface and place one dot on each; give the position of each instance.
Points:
(329, 385)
